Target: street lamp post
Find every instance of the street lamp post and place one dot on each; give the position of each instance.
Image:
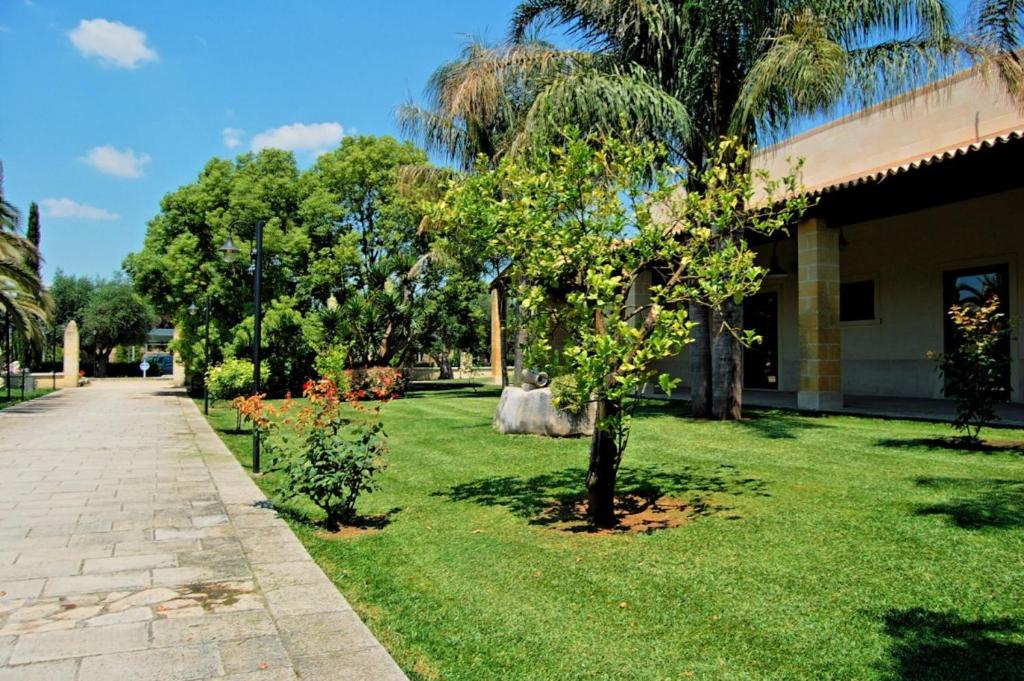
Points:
(230, 251)
(192, 309)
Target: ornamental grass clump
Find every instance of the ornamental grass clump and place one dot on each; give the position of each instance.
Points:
(339, 452)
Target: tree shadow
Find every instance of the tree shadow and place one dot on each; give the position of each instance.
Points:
(942, 646)
(953, 444)
(377, 521)
(531, 498)
(992, 503)
(464, 390)
(779, 425)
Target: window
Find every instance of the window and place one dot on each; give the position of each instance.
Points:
(857, 301)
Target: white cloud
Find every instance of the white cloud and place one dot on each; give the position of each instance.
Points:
(232, 137)
(67, 208)
(112, 42)
(315, 137)
(111, 161)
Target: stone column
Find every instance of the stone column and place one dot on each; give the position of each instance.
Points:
(820, 358)
(71, 351)
(496, 358)
(178, 369)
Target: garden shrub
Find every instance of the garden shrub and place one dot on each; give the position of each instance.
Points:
(566, 394)
(381, 383)
(330, 363)
(232, 378)
(975, 371)
(339, 454)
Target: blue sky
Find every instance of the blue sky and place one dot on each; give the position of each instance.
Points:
(168, 96)
(109, 105)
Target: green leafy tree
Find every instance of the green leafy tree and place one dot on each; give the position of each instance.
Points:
(688, 73)
(71, 295)
(115, 315)
(582, 222)
(370, 251)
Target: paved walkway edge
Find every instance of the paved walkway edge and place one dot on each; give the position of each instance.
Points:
(334, 643)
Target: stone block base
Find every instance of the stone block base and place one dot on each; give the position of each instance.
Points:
(809, 400)
(531, 412)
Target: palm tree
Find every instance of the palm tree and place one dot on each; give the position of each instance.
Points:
(748, 69)
(24, 304)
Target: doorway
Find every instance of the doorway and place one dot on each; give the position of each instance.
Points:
(972, 288)
(761, 360)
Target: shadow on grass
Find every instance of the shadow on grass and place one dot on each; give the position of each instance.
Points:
(779, 425)
(952, 444)
(992, 503)
(940, 646)
(366, 522)
(529, 498)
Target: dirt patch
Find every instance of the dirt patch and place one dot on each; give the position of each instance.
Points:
(346, 532)
(636, 514)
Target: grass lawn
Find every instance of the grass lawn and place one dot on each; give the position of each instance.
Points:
(831, 547)
(16, 396)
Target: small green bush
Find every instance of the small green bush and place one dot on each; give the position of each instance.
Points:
(330, 363)
(975, 370)
(232, 378)
(341, 452)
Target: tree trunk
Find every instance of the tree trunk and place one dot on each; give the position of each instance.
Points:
(517, 367)
(100, 365)
(726, 359)
(445, 366)
(700, 362)
(502, 339)
(604, 467)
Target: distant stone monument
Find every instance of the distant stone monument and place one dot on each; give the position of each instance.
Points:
(177, 369)
(71, 349)
(528, 409)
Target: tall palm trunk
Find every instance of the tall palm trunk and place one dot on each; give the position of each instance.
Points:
(700, 362)
(604, 467)
(726, 360)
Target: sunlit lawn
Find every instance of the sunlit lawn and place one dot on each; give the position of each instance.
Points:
(836, 547)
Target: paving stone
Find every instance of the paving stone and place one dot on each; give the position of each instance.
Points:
(278, 674)
(6, 646)
(315, 634)
(21, 588)
(140, 614)
(253, 655)
(55, 645)
(122, 563)
(80, 584)
(292, 573)
(359, 665)
(63, 670)
(210, 628)
(305, 599)
(160, 664)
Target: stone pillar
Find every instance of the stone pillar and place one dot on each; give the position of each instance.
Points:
(178, 369)
(820, 358)
(497, 360)
(71, 351)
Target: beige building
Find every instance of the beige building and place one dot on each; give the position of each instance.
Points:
(920, 204)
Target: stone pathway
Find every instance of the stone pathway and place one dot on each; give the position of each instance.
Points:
(134, 547)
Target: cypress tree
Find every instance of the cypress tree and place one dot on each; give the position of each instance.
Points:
(33, 234)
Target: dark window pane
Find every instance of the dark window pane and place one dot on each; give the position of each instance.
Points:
(857, 301)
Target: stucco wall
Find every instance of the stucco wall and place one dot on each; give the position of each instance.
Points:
(906, 255)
